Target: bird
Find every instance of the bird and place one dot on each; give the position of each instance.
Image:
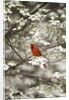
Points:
(36, 52)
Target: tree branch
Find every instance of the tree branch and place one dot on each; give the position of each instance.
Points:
(14, 50)
(28, 21)
(47, 80)
(61, 7)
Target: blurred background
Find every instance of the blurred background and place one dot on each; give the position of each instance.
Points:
(43, 24)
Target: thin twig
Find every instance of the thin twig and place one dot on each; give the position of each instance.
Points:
(51, 46)
(14, 50)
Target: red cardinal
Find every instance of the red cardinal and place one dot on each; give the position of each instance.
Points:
(35, 50)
